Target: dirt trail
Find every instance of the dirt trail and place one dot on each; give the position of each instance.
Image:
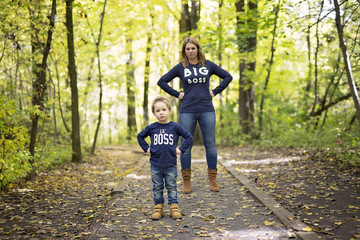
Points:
(231, 213)
(74, 200)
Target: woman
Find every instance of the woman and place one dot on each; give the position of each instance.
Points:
(196, 105)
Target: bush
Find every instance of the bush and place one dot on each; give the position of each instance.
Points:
(14, 158)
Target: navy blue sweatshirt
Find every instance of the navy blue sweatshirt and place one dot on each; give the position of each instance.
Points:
(196, 83)
(164, 140)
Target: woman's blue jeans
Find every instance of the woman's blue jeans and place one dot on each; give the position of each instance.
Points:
(207, 122)
(161, 176)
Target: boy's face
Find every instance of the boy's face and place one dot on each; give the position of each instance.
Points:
(161, 112)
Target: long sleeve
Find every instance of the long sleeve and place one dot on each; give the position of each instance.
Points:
(141, 139)
(188, 139)
(166, 78)
(224, 75)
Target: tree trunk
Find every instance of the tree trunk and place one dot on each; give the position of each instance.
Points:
(247, 48)
(130, 90)
(276, 10)
(310, 66)
(59, 97)
(75, 119)
(189, 19)
(39, 85)
(146, 81)
(347, 63)
(316, 84)
(100, 80)
(220, 49)
(188, 23)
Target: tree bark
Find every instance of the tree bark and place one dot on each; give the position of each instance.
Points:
(75, 119)
(130, 90)
(220, 49)
(147, 80)
(39, 85)
(351, 82)
(189, 19)
(100, 80)
(247, 48)
(316, 85)
(276, 10)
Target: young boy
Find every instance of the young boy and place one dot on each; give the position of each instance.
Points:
(164, 135)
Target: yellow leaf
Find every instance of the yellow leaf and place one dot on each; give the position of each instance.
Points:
(307, 229)
(268, 223)
(272, 185)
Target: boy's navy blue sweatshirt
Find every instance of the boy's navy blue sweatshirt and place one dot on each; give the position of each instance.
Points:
(196, 83)
(164, 140)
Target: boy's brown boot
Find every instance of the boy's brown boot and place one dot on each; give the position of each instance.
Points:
(158, 212)
(175, 211)
(186, 175)
(212, 180)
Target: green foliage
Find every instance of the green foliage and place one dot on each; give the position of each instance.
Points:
(289, 95)
(335, 140)
(14, 155)
(14, 158)
(228, 129)
(49, 156)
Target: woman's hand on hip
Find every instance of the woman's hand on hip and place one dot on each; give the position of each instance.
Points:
(181, 95)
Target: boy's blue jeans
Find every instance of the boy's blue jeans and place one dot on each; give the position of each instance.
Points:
(161, 176)
(207, 122)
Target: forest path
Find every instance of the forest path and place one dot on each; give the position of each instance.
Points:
(232, 213)
(74, 201)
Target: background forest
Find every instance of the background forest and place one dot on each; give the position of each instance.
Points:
(84, 72)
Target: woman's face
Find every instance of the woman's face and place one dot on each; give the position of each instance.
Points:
(191, 51)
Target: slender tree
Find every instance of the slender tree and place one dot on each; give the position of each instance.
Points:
(247, 40)
(316, 77)
(190, 16)
(75, 119)
(39, 84)
(267, 79)
(220, 48)
(130, 89)
(146, 79)
(97, 44)
(347, 63)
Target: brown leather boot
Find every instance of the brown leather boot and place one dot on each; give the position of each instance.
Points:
(158, 212)
(186, 175)
(212, 180)
(175, 211)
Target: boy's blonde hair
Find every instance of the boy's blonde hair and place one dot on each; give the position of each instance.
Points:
(160, 99)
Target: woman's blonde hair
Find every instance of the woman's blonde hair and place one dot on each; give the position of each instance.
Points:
(160, 99)
(200, 54)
